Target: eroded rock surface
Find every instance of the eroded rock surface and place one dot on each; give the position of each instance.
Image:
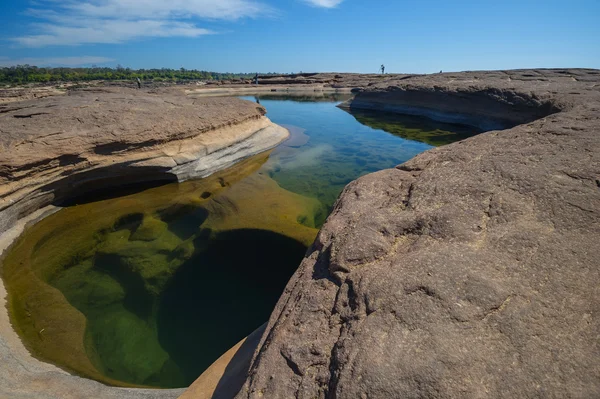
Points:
(94, 139)
(471, 271)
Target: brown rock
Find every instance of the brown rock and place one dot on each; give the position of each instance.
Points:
(95, 139)
(227, 374)
(471, 271)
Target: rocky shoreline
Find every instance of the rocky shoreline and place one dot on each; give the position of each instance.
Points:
(94, 141)
(470, 271)
(488, 107)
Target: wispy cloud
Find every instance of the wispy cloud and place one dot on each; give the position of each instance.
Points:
(75, 22)
(324, 3)
(107, 31)
(56, 61)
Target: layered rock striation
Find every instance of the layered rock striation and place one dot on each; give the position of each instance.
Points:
(95, 140)
(91, 142)
(471, 271)
(488, 100)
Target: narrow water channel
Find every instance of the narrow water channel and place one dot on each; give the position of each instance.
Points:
(148, 289)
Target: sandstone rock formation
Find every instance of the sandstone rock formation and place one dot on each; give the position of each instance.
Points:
(153, 253)
(227, 374)
(471, 271)
(90, 140)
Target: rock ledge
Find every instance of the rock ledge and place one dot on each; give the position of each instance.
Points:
(95, 140)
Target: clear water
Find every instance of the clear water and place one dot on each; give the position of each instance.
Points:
(148, 289)
(342, 146)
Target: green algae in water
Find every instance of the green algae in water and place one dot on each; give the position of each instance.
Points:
(414, 127)
(340, 150)
(150, 288)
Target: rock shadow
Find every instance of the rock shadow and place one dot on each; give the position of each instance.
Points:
(222, 294)
(238, 367)
(107, 183)
(413, 127)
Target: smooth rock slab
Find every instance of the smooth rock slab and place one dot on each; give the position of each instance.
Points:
(90, 140)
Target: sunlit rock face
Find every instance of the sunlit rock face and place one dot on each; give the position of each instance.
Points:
(55, 148)
(470, 271)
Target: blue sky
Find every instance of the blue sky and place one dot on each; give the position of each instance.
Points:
(418, 36)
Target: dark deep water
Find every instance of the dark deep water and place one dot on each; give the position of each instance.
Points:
(150, 288)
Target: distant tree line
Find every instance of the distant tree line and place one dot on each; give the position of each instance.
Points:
(31, 74)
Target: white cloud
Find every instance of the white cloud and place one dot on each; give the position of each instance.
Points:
(324, 3)
(56, 61)
(108, 31)
(214, 9)
(71, 22)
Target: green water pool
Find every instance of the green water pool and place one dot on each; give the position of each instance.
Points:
(150, 288)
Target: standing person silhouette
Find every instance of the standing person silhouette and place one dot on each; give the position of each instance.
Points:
(382, 68)
(139, 83)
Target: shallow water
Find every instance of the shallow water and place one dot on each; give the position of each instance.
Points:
(340, 150)
(150, 288)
